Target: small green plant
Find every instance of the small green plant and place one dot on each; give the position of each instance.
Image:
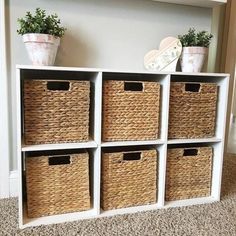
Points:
(199, 39)
(41, 23)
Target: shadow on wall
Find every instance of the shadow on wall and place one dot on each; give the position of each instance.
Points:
(74, 51)
(232, 137)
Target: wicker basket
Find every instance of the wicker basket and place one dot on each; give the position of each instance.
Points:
(192, 110)
(188, 173)
(129, 179)
(57, 184)
(130, 110)
(56, 111)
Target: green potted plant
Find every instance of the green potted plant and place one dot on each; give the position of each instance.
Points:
(41, 35)
(195, 49)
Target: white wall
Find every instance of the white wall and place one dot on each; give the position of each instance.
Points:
(4, 109)
(103, 33)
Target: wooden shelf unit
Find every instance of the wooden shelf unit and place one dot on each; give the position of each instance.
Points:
(96, 145)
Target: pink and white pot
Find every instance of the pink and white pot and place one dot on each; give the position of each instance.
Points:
(42, 48)
(192, 58)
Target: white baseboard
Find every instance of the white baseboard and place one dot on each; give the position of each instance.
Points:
(13, 179)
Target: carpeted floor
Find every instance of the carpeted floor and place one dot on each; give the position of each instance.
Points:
(211, 219)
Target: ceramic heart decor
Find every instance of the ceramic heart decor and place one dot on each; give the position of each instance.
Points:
(166, 58)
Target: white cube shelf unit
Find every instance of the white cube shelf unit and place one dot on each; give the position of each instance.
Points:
(95, 145)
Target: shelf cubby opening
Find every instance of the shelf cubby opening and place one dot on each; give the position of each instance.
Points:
(131, 78)
(59, 158)
(55, 82)
(160, 151)
(191, 150)
(221, 82)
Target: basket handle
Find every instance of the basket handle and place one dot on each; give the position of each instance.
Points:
(132, 156)
(133, 86)
(192, 87)
(58, 85)
(59, 160)
(190, 152)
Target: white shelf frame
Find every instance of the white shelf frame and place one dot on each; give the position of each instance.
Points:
(96, 145)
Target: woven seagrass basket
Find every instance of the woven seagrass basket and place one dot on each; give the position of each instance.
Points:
(56, 111)
(130, 110)
(129, 179)
(192, 110)
(189, 172)
(57, 184)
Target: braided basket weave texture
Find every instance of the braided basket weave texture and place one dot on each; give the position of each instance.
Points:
(130, 115)
(57, 189)
(192, 114)
(56, 116)
(188, 176)
(127, 183)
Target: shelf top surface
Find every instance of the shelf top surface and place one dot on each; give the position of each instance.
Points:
(97, 70)
(198, 3)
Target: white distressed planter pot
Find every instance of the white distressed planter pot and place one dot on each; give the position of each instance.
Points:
(192, 58)
(41, 48)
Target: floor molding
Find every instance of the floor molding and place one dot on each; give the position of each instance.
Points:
(13, 179)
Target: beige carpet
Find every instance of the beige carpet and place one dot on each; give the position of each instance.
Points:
(211, 219)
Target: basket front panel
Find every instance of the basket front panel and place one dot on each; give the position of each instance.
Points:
(192, 114)
(128, 183)
(56, 116)
(57, 189)
(129, 115)
(188, 176)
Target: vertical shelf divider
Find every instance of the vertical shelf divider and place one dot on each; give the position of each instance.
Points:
(19, 144)
(98, 108)
(165, 107)
(164, 132)
(97, 137)
(162, 174)
(219, 147)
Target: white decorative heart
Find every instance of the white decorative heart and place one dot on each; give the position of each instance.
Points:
(166, 58)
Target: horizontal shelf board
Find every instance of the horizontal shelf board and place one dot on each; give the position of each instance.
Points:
(57, 68)
(60, 146)
(204, 140)
(204, 74)
(131, 143)
(55, 219)
(190, 202)
(198, 3)
(81, 69)
(85, 69)
(128, 210)
(92, 213)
